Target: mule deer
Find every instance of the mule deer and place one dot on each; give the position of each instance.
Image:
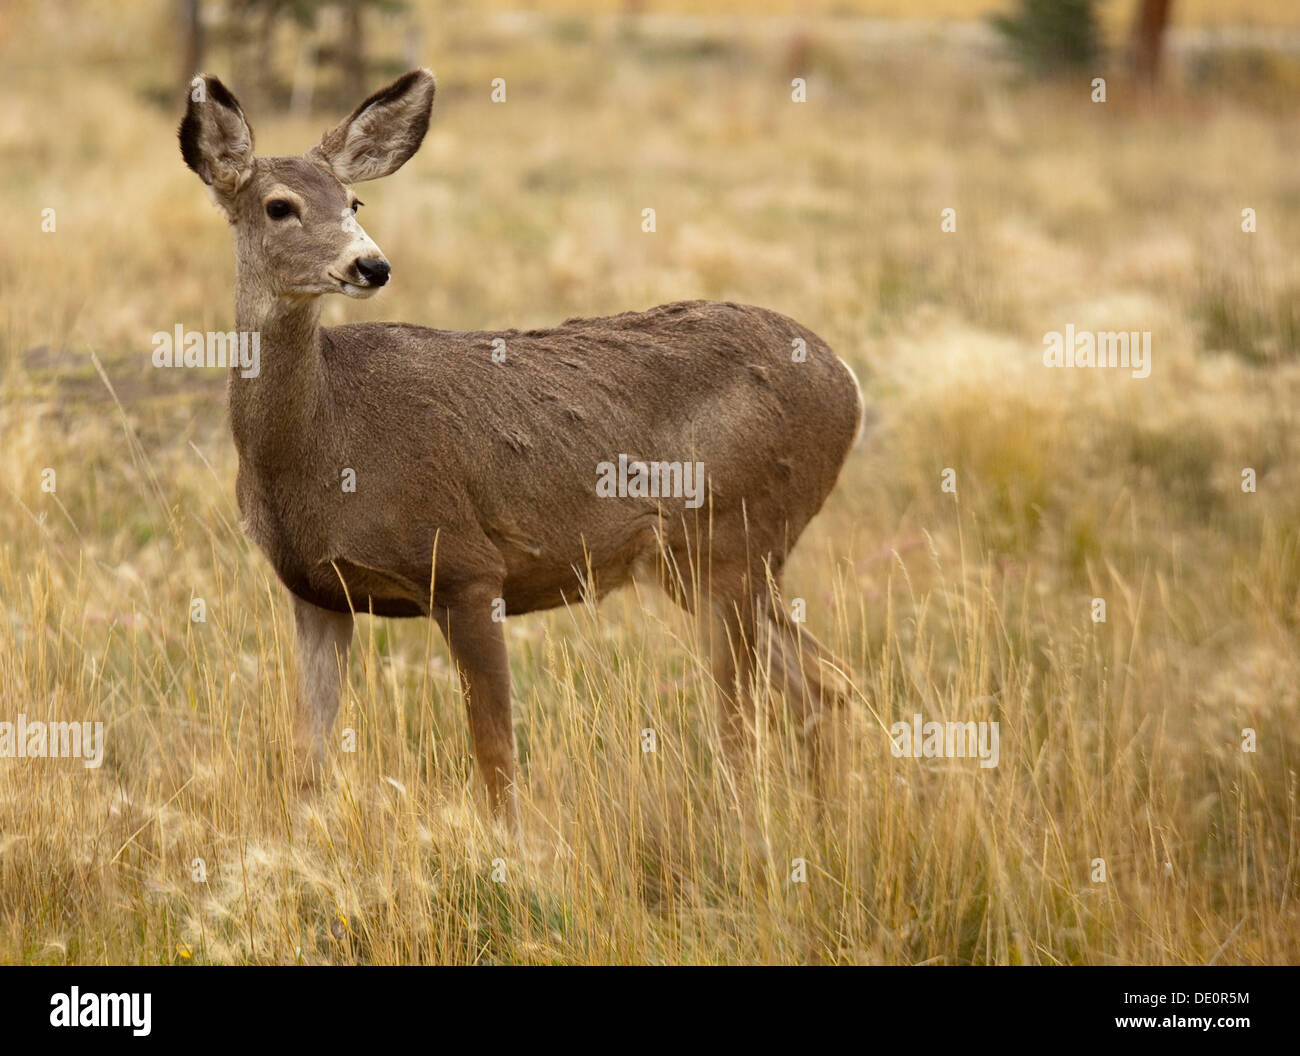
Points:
(475, 476)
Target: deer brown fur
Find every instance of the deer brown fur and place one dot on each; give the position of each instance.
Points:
(476, 475)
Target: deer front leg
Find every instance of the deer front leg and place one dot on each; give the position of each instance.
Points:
(478, 648)
(323, 641)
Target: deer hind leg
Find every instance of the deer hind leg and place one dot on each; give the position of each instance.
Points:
(815, 684)
(756, 645)
(478, 649)
(323, 641)
(728, 658)
(732, 621)
(810, 677)
(732, 636)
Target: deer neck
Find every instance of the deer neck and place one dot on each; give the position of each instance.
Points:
(275, 412)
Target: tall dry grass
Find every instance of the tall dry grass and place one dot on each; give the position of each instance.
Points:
(1119, 740)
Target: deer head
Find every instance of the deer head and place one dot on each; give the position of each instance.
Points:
(296, 233)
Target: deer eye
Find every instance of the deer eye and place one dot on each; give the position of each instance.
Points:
(278, 209)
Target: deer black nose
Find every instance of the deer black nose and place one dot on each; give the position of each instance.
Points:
(375, 270)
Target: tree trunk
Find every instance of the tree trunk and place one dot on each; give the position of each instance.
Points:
(191, 29)
(352, 52)
(1148, 39)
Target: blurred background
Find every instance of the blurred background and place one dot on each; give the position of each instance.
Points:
(1112, 165)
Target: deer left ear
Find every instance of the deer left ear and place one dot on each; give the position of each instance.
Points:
(216, 140)
(382, 133)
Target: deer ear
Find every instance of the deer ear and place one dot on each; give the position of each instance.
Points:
(216, 141)
(382, 133)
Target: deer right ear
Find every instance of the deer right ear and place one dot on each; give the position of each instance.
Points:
(381, 134)
(216, 141)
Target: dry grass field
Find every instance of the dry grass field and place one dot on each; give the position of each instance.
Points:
(1119, 740)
